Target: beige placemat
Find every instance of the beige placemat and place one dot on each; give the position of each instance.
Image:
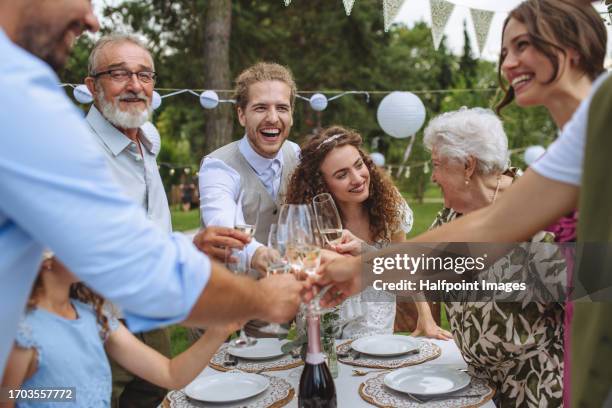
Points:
(251, 366)
(278, 394)
(427, 351)
(377, 393)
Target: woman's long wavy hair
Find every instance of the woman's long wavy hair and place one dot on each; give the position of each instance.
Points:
(384, 201)
(554, 26)
(78, 291)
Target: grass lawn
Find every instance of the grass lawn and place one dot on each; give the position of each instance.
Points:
(424, 215)
(185, 221)
(179, 341)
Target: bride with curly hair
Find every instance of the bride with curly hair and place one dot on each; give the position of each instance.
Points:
(372, 210)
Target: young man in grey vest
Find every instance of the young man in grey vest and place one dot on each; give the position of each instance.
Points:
(259, 164)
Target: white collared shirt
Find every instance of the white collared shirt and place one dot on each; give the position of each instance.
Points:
(220, 186)
(137, 174)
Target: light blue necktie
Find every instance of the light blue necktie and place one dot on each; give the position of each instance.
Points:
(269, 176)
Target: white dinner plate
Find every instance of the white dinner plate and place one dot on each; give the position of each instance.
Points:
(427, 380)
(386, 345)
(226, 387)
(265, 348)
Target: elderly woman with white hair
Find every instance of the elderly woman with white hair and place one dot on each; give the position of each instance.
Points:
(469, 153)
(517, 347)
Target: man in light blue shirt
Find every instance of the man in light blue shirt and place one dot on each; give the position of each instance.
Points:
(56, 190)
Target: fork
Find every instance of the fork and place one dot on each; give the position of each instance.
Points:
(361, 373)
(352, 354)
(423, 400)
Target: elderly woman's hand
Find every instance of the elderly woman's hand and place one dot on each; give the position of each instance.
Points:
(348, 244)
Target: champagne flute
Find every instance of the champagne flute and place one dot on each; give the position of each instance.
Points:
(242, 267)
(243, 225)
(240, 222)
(327, 218)
(277, 264)
(303, 253)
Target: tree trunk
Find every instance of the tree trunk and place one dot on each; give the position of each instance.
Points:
(217, 28)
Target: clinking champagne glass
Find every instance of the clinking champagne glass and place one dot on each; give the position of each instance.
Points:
(327, 218)
(277, 264)
(303, 252)
(251, 205)
(242, 267)
(247, 226)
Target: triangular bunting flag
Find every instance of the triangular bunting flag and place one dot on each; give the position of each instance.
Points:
(482, 22)
(441, 11)
(390, 10)
(348, 6)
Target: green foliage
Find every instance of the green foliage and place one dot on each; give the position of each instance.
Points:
(468, 64)
(76, 68)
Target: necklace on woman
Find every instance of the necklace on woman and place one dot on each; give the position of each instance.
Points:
(496, 189)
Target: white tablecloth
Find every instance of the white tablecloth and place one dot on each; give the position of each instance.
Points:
(347, 386)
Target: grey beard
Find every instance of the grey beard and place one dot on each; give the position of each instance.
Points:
(122, 119)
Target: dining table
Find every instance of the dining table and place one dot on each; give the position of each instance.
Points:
(347, 385)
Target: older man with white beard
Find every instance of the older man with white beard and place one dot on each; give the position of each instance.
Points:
(121, 79)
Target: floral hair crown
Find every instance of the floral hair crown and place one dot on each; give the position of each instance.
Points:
(329, 140)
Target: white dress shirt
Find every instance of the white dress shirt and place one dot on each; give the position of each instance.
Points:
(220, 186)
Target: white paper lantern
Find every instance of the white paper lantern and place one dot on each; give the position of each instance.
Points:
(533, 153)
(401, 114)
(82, 94)
(318, 102)
(156, 100)
(378, 159)
(209, 99)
